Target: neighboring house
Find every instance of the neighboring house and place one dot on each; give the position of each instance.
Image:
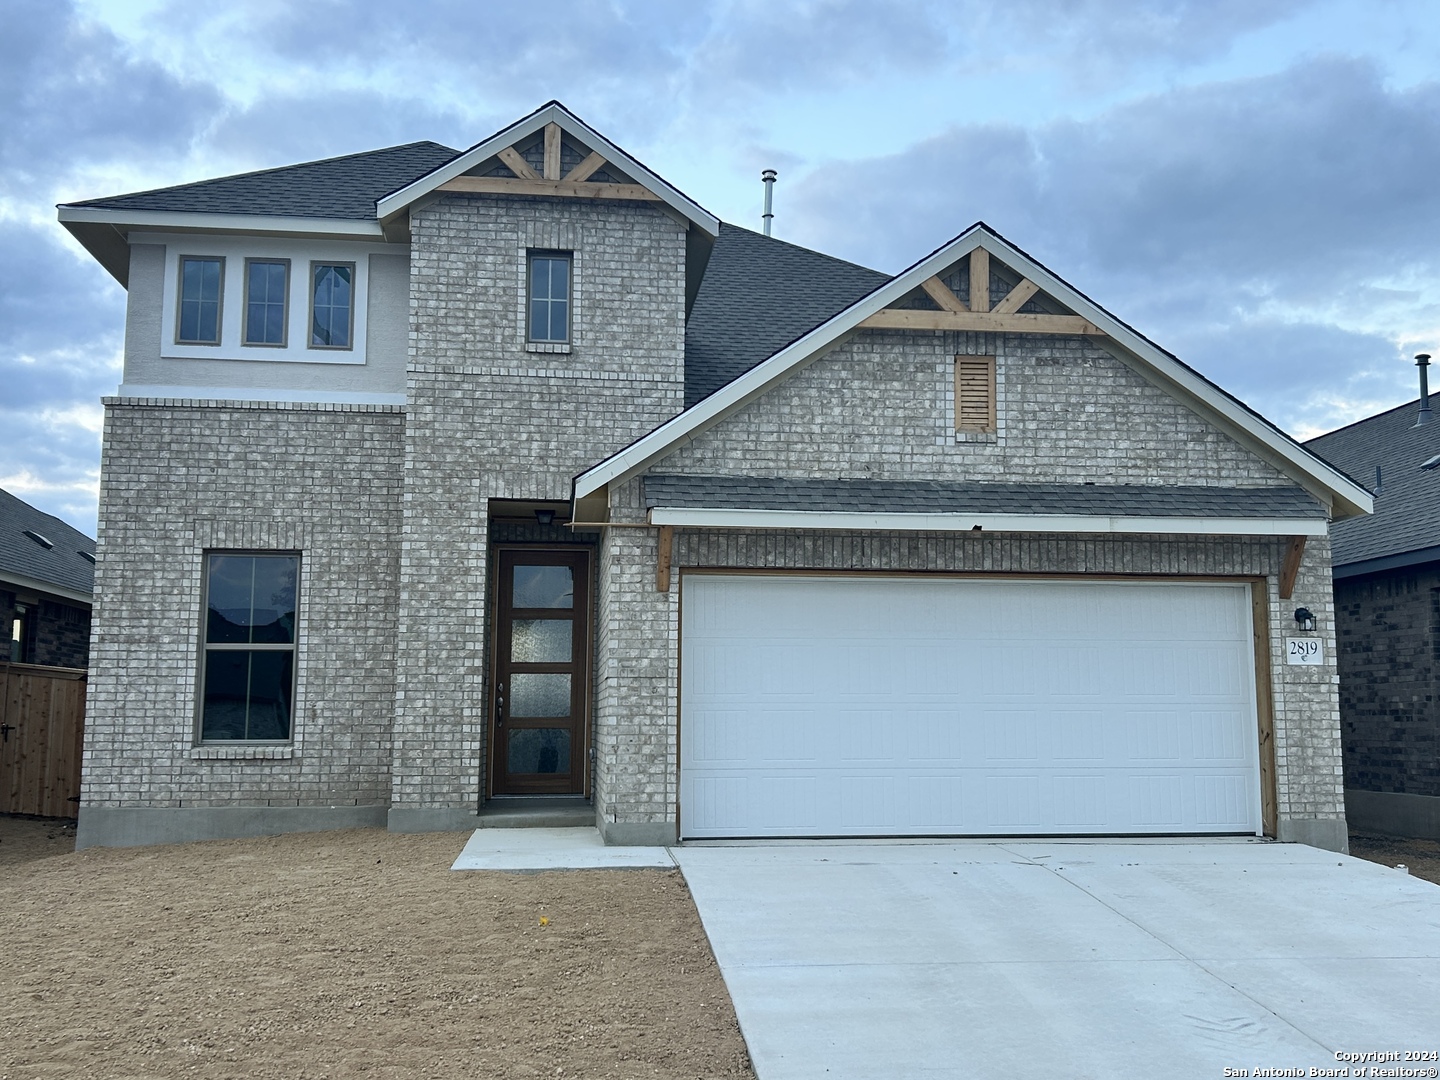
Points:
(439, 479)
(1387, 596)
(47, 575)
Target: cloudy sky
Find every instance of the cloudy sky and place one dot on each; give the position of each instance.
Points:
(1255, 184)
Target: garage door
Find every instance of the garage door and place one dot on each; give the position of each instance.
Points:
(892, 706)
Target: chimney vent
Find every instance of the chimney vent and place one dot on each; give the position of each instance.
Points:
(1422, 361)
(768, 179)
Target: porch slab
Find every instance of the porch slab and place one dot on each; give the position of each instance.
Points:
(553, 849)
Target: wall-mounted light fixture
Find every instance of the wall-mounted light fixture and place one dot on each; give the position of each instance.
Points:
(544, 517)
(1304, 619)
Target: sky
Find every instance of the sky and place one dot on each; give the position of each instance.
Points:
(1253, 184)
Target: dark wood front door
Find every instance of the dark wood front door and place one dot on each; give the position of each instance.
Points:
(541, 685)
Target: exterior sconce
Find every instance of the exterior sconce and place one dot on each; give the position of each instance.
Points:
(544, 517)
(1304, 619)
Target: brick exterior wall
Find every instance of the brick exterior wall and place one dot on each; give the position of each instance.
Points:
(492, 418)
(1389, 662)
(59, 630)
(179, 478)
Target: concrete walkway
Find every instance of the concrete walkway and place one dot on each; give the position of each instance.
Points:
(1066, 959)
(553, 849)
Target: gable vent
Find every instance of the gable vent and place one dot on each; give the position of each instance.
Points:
(87, 557)
(39, 539)
(975, 393)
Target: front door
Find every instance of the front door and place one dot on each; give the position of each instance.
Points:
(541, 685)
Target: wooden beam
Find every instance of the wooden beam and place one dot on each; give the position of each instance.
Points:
(979, 280)
(938, 291)
(663, 557)
(1290, 567)
(518, 165)
(1264, 707)
(909, 319)
(566, 189)
(587, 168)
(552, 151)
(1016, 297)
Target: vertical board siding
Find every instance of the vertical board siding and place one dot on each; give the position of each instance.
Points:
(43, 712)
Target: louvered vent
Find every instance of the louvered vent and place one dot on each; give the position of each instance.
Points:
(974, 393)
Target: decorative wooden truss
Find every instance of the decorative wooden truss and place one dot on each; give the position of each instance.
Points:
(955, 314)
(576, 184)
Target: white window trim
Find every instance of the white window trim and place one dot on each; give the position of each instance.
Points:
(301, 254)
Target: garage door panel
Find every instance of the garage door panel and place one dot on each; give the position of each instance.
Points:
(888, 706)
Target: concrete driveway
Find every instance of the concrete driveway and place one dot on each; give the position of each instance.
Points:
(1121, 959)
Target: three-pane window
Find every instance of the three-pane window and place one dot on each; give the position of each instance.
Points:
(248, 661)
(549, 296)
(201, 286)
(266, 288)
(332, 305)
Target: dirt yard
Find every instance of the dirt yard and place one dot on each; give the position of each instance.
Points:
(346, 954)
(1421, 856)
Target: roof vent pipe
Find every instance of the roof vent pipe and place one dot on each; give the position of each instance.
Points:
(1422, 361)
(768, 179)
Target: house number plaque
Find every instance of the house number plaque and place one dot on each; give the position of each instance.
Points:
(1299, 650)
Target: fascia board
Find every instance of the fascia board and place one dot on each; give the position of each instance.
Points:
(185, 221)
(36, 585)
(700, 517)
(392, 204)
(708, 412)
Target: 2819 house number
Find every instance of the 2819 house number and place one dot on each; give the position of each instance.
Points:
(1299, 650)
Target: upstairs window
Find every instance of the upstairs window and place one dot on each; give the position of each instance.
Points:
(549, 296)
(332, 307)
(247, 677)
(267, 284)
(198, 313)
(974, 394)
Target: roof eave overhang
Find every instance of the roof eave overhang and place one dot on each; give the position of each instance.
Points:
(1341, 495)
(849, 521)
(39, 585)
(397, 202)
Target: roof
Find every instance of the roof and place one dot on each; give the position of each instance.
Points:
(28, 562)
(757, 296)
(1342, 496)
(345, 187)
(1407, 506)
(945, 497)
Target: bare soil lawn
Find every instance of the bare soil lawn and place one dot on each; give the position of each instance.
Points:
(346, 954)
(1421, 856)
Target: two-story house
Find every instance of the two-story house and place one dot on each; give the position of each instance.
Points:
(443, 479)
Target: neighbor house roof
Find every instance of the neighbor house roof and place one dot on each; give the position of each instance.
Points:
(1342, 495)
(757, 296)
(1405, 526)
(338, 187)
(39, 551)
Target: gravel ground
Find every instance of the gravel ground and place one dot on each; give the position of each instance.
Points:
(346, 954)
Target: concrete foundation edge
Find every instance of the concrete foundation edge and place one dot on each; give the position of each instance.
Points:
(1393, 813)
(1327, 833)
(638, 833)
(137, 826)
(441, 819)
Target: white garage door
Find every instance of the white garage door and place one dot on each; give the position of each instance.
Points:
(892, 706)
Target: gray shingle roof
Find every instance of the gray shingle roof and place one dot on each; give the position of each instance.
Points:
(758, 295)
(941, 497)
(340, 187)
(1407, 507)
(59, 565)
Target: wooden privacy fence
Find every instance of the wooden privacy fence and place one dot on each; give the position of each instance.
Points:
(42, 718)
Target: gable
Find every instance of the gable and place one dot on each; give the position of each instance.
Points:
(1076, 315)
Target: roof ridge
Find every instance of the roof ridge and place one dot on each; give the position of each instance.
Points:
(271, 171)
(1414, 404)
(48, 516)
(807, 250)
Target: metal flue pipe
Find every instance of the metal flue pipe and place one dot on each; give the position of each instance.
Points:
(1422, 361)
(768, 179)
